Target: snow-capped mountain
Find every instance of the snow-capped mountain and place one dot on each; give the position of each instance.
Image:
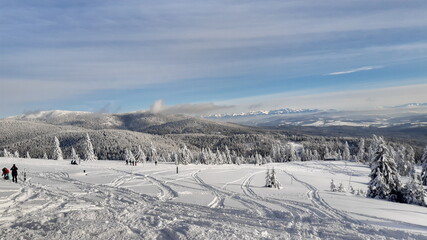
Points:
(262, 113)
(411, 105)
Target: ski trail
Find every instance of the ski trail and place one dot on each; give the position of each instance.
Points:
(321, 204)
(166, 192)
(221, 194)
(219, 198)
(297, 210)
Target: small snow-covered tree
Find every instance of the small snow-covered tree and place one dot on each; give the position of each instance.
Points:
(74, 157)
(292, 153)
(28, 155)
(361, 155)
(154, 156)
(57, 152)
(341, 188)
(186, 155)
(238, 160)
(45, 155)
(258, 158)
(274, 181)
(227, 155)
(333, 186)
(346, 152)
(7, 153)
(16, 154)
(140, 155)
(89, 152)
(385, 182)
(424, 167)
(414, 192)
(268, 179)
(175, 158)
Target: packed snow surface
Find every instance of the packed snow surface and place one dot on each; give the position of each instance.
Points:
(112, 200)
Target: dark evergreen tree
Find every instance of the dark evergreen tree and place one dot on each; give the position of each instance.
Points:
(384, 183)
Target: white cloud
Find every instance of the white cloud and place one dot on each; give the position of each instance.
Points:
(195, 108)
(355, 70)
(342, 100)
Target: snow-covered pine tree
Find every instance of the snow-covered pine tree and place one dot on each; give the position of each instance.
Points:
(414, 191)
(316, 155)
(218, 157)
(154, 156)
(274, 181)
(57, 152)
(175, 158)
(258, 158)
(140, 155)
(274, 153)
(16, 154)
(292, 153)
(129, 156)
(385, 182)
(410, 159)
(227, 155)
(28, 155)
(74, 157)
(7, 153)
(424, 167)
(168, 158)
(268, 179)
(333, 186)
(45, 155)
(89, 152)
(361, 152)
(341, 188)
(238, 160)
(346, 153)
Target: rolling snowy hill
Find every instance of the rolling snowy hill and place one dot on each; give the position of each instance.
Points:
(116, 201)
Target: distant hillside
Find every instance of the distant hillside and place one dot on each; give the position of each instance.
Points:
(112, 133)
(145, 122)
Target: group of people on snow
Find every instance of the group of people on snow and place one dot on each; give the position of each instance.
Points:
(132, 162)
(14, 170)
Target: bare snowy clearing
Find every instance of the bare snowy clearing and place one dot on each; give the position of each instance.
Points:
(116, 201)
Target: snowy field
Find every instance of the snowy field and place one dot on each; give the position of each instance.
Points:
(117, 201)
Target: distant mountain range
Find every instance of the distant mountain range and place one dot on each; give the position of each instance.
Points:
(411, 105)
(261, 113)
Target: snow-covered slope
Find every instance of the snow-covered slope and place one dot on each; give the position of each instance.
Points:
(116, 201)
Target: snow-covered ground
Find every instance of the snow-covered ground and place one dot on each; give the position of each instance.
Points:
(116, 201)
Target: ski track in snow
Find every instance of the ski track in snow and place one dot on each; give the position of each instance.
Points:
(166, 192)
(221, 194)
(51, 205)
(218, 201)
(319, 203)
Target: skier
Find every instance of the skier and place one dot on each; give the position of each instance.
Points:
(14, 170)
(5, 173)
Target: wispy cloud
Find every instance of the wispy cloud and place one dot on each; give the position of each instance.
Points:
(343, 100)
(196, 108)
(367, 68)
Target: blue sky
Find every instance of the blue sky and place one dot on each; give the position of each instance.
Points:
(221, 56)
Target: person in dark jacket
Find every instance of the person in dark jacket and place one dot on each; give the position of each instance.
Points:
(14, 170)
